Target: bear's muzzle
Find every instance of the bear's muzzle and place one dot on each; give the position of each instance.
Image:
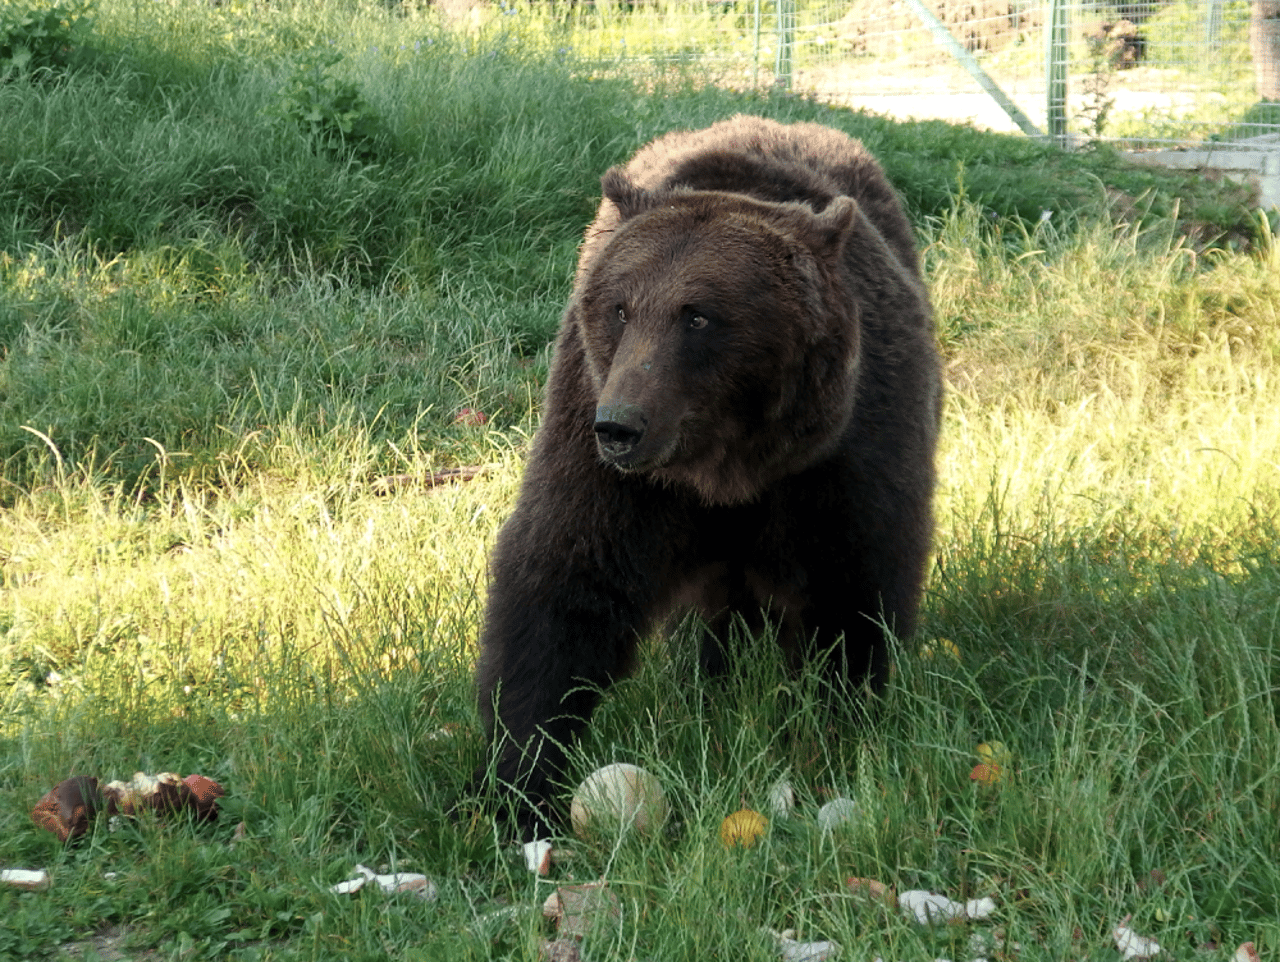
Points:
(619, 430)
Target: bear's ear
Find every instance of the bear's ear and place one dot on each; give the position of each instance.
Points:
(626, 196)
(833, 225)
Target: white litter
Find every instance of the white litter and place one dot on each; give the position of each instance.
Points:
(537, 855)
(789, 950)
(837, 812)
(782, 799)
(928, 908)
(1132, 945)
(33, 880)
(1248, 952)
(419, 885)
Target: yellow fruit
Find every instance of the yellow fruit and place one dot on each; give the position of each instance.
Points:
(941, 648)
(994, 753)
(993, 763)
(744, 827)
(986, 774)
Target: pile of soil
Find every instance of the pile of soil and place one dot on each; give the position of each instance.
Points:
(879, 27)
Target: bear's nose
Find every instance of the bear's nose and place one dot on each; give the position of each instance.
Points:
(619, 428)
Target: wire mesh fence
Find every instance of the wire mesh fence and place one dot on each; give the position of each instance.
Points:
(1146, 73)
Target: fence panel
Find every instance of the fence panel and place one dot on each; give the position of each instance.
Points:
(1144, 73)
(1147, 72)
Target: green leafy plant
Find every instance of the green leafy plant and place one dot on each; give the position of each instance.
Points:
(329, 109)
(42, 36)
(1104, 49)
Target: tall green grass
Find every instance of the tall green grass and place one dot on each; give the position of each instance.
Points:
(172, 209)
(231, 357)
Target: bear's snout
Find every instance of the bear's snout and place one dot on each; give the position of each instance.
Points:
(619, 429)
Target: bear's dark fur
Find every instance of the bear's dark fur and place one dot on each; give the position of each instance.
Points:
(742, 414)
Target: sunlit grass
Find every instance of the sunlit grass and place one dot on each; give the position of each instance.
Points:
(1119, 378)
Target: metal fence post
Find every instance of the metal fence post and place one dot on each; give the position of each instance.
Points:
(953, 46)
(1055, 70)
(786, 42)
(1213, 23)
(755, 54)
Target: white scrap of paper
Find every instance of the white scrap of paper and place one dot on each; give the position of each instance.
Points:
(1248, 952)
(537, 856)
(837, 812)
(928, 908)
(782, 799)
(789, 950)
(419, 885)
(793, 951)
(1132, 945)
(34, 880)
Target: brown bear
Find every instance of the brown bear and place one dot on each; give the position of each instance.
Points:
(741, 417)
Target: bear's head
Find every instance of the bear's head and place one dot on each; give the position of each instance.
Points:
(720, 336)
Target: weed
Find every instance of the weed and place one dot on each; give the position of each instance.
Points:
(329, 110)
(1103, 49)
(42, 37)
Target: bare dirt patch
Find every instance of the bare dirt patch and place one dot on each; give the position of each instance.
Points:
(108, 945)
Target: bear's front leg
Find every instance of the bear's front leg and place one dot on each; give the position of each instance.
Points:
(569, 601)
(541, 674)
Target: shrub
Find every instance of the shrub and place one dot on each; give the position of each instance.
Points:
(330, 110)
(42, 36)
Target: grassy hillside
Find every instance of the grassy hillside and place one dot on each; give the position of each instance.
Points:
(254, 263)
(187, 192)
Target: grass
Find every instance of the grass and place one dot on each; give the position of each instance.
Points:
(217, 347)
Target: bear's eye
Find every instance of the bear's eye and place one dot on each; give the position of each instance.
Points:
(697, 322)
(622, 314)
